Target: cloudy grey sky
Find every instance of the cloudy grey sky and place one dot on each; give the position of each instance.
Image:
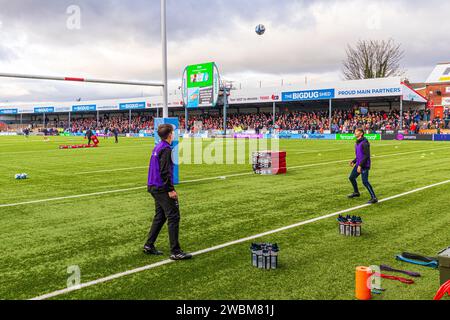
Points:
(121, 39)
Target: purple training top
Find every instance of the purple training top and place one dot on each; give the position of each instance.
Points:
(154, 173)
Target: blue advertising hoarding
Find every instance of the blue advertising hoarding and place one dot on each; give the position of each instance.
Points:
(294, 135)
(84, 108)
(309, 95)
(44, 110)
(9, 111)
(132, 106)
(441, 137)
(175, 145)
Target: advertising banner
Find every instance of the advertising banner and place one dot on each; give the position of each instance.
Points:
(368, 92)
(63, 109)
(247, 136)
(295, 135)
(308, 95)
(44, 109)
(84, 108)
(201, 85)
(107, 107)
(132, 106)
(412, 137)
(434, 131)
(320, 136)
(9, 111)
(253, 96)
(369, 137)
(441, 137)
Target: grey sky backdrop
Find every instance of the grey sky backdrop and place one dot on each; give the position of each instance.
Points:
(121, 39)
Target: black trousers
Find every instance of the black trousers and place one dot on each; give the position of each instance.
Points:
(117, 139)
(167, 210)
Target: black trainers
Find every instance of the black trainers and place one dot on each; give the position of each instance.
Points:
(354, 195)
(373, 201)
(151, 250)
(181, 256)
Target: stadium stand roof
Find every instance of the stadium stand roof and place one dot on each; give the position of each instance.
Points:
(341, 90)
(440, 74)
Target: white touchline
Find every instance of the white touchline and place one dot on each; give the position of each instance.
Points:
(70, 197)
(110, 170)
(198, 180)
(228, 244)
(72, 150)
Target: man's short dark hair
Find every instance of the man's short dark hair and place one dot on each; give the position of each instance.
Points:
(360, 130)
(164, 131)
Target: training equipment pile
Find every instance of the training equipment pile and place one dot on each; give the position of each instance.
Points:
(82, 146)
(265, 255)
(269, 162)
(350, 226)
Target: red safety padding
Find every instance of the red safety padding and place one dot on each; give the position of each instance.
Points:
(95, 140)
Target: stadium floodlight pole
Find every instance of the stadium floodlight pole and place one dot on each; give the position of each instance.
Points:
(330, 116)
(129, 121)
(73, 79)
(225, 108)
(401, 113)
(164, 58)
(274, 116)
(186, 119)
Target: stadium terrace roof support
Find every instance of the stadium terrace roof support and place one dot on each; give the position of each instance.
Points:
(53, 78)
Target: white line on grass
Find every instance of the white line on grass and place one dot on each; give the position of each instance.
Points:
(306, 166)
(197, 180)
(228, 244)
(70, 197)
(110, 170)
(67, 151)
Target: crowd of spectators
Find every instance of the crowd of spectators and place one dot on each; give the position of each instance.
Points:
(342, 121)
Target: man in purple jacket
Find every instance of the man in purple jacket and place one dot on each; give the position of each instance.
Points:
(361, 166)
(160, 186)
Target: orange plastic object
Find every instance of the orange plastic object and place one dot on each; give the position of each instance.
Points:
(442, 291)
(363, 291)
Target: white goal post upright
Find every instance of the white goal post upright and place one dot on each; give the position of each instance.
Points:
(164, 59)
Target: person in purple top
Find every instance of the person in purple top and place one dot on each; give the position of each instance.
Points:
(361, 167)
(160, 186)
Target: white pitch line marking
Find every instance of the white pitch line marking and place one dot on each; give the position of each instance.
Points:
(306, 166)
(110, 170)
(67, 151)
(228, 244)
(198, 180)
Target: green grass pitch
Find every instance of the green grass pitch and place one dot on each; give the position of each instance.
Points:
(104, 234)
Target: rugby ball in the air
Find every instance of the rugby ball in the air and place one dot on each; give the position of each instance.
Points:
(260, 29)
